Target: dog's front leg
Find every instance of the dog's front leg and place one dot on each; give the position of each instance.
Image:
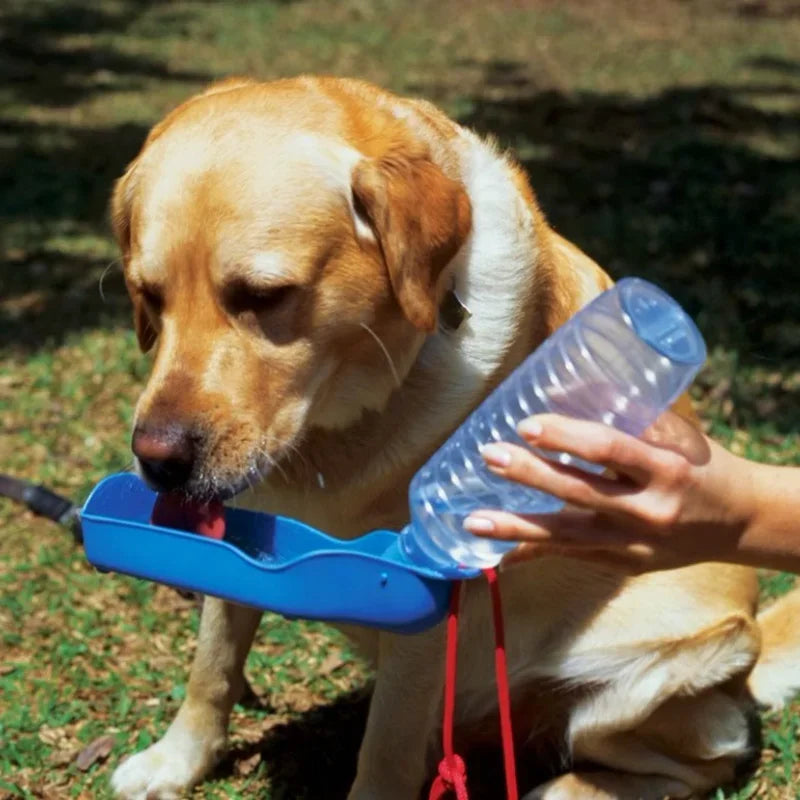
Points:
(196, 738)
(403, 717)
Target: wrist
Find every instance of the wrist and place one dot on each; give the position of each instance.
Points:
(744, 492)
(733, 486)
(770, 506)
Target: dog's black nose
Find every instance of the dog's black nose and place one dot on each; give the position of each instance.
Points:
(166, 456)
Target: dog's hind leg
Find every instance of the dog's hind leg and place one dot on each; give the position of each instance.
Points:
(196, 738)
(610, 786)
(677, 718)
(686, 747)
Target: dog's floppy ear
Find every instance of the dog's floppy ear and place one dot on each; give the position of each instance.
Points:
(420, 218)
(121, 207)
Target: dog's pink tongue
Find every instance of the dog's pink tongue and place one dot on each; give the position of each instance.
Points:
(172, 510)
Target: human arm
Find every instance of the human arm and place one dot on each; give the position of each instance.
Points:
(673, 497)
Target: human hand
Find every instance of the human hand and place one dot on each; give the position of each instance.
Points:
(667, 500)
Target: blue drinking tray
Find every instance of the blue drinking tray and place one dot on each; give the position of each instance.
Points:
(265, 561)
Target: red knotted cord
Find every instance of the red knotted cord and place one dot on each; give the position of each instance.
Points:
(452, 775)
(503, 693)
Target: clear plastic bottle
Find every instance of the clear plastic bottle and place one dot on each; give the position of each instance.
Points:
(622, 360)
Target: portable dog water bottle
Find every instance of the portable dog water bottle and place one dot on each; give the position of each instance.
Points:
(621, 360)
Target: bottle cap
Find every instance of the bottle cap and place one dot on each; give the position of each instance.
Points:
(661, 322)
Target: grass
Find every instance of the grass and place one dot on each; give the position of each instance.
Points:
(663, 138)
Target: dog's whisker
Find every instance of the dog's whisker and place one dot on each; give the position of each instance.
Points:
(105, 272)
(294, 450)
(272, 463)
(281, 470)
(383, 347)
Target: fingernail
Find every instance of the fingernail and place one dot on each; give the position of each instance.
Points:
(496, 454)
(478, 524)
(529, 428)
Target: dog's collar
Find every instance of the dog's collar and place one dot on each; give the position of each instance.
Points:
(452, 312)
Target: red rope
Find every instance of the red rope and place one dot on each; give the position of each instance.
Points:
(503, 693)
(452, 775)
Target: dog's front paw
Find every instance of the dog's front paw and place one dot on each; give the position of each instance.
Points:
(169, 767)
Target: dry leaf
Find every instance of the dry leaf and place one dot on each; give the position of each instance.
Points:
(96, 751)
(246, 766)
(331, 663)
(51, 736)
(62, 757)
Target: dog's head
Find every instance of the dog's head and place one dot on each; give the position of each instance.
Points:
(281, 248)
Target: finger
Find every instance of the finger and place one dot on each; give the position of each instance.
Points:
(573, 528)
(573, 534)
(630, 561)
(570, 484)
(591, 441)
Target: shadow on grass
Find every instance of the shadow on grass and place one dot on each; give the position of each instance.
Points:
(56, 177)
(315, 756)
(311, 756)
(41, 66)
(767, 9)
(57, 183)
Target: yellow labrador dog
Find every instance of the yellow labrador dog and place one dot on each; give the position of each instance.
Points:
(288, 247)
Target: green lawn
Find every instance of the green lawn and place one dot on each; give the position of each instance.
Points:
(662, 137)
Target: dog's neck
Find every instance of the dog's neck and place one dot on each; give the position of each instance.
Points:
(348, 481)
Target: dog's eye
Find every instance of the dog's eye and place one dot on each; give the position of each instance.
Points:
(268, 299)
(241, 297)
